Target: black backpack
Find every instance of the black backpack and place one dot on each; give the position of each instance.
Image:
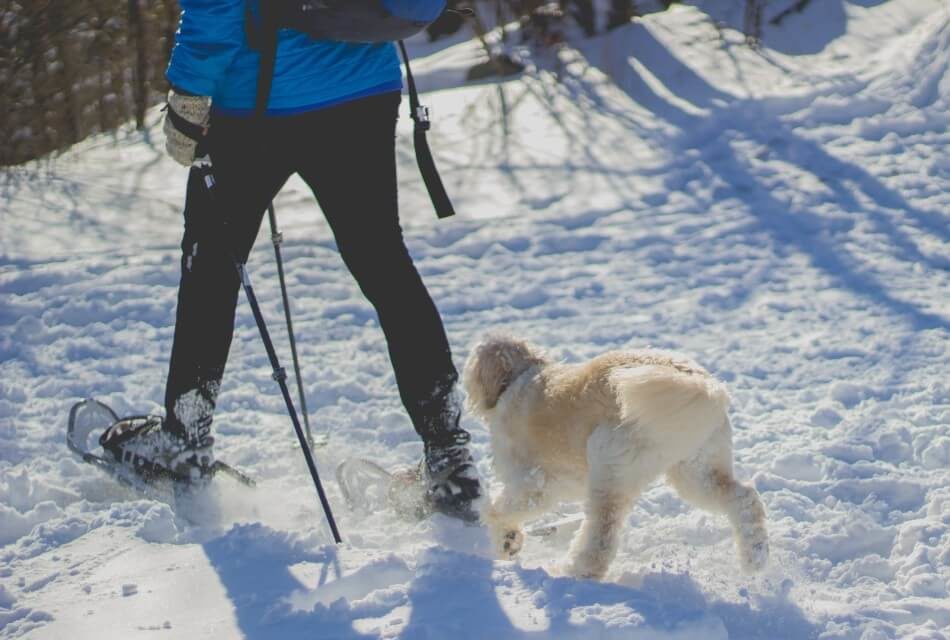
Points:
(356, 20)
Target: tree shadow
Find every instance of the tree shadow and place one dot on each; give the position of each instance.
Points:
(824, 21)
(706, 118)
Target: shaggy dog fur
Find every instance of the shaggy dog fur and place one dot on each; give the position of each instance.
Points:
(601, 431)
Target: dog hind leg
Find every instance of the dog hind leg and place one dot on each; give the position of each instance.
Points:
(595, 545)
(707, 481)
(620, 467)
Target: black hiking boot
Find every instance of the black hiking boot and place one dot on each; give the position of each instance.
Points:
(450, 478)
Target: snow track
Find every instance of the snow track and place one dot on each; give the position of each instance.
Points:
(781, 217)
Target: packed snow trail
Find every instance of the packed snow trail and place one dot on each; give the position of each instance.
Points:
(780, 216)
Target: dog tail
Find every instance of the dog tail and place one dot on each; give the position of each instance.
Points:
(665, 404)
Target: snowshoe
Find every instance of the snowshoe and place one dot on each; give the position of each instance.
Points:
(445, 481)
(556, 523)
(137, 453)
(367, 487)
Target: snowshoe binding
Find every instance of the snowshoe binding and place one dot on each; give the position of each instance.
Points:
(140, 444)
(137, 452)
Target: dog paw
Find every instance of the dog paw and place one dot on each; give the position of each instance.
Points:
(511, 544)
(756, 557)
(583, 573)
(586, 566)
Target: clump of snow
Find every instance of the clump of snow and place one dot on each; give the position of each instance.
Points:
(6, 598)
(14, 524)
(159, 524)
(936, 455)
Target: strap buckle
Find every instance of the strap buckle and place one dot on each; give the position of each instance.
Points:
(421, 117)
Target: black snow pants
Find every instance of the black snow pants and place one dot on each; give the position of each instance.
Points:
(346, 154)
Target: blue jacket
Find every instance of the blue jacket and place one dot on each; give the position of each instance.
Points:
(211, 57)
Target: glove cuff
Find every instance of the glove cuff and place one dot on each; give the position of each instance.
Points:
(186, 124)
(194, 109)
(190, 130)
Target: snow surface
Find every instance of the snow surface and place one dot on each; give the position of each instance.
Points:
(780, 216)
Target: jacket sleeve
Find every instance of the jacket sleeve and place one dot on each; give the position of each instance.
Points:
(210, 34)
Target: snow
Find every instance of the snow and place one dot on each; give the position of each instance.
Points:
(779, 216)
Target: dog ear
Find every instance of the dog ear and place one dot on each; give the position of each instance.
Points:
(493, 364)
(487, 373)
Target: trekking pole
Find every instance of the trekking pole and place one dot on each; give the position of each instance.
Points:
(203, 165)
(277, 238)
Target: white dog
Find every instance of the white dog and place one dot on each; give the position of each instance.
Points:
(601, 431)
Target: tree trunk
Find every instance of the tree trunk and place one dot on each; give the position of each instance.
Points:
(621, 12)
(140, 73)
(69, 115)
(753, 22)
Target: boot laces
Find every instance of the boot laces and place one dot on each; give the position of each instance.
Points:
(448, 455)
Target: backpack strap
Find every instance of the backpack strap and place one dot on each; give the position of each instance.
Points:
(420, 118)
(265, 41)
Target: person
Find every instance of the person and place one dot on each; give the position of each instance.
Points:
(331, 119)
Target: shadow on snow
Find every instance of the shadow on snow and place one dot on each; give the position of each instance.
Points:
(451, 594)
(713, 136)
